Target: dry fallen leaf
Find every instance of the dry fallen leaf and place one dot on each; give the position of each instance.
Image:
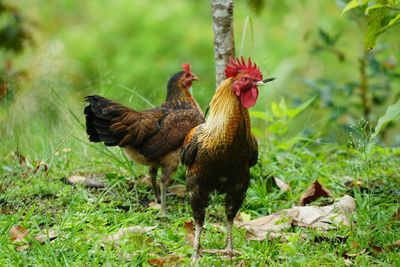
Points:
(276, 182)
(189, 231)
(396, 215)
(178, 190)
(154, 205)
(220, 252)
(41, 165)
(128, 230)
(23, 247)
(353, 255)
(322, 218)
(258, 228)
(315, 191)
(394, 245)
(21, 158)
(42, 238)
(88, 182)
(282, 185)
(145, 180)
(18, 233)
(170, 260)
(326, 217)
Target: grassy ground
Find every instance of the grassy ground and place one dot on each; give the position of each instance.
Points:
(83, 217)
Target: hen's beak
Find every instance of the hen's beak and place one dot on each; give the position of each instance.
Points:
(260, 83)
(194, 78)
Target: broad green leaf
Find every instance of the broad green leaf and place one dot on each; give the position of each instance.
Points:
(277, 110)
(394, 21)
(260, 115)
(373, 7)
(374, 26)
(354, 4)
(292, 113)
(283, 106)
(391, 114)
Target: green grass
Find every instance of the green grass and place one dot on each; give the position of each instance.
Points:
(84, 216)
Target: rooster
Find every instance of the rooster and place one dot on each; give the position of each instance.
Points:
(153, 137)
(219, 153)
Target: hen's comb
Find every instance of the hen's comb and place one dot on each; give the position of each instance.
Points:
(186, 67)
(234, 67)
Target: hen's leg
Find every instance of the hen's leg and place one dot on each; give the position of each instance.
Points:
(153, 175)
(165, 177)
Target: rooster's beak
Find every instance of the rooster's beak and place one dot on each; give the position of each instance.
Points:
(195, 78)
(260, 83)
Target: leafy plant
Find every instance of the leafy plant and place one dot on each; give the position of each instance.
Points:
(381, 15)
(280, 120)
(391, 114)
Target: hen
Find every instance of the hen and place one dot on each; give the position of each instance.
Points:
(220, 152)
(153, 137)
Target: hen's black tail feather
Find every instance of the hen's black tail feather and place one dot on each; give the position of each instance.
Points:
(99, 115)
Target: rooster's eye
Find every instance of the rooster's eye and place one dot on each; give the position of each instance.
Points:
(187, 75)
(244, 79)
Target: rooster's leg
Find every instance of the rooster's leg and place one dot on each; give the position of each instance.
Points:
(233, 201)
(153, 175)
(196, 245)
(229, 242)
(198, 200)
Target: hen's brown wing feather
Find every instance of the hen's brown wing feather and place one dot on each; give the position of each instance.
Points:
(115, 124)
(173, 130)
(154, 133)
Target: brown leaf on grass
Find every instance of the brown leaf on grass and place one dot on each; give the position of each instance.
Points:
(312, 193)
(322, 218)
(154, 205)
(189, 232)
(23, 247)
(376, 248)
(276, 182)
(128, 230)
(394, 245)
(396, 215)
(145, 180)
(21, 158)
(42, 238)
(88, 182)
(241, 263)
(178, 190)
(258, 228)
(220, 252)
(41, 165)
(326, 217)
(347, 255)
(18, 233)
(170, 260)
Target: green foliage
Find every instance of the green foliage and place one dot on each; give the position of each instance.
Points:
(381, 15)
(280, 120)
(391, 114)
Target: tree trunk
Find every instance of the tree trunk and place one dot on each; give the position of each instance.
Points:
(224, 43)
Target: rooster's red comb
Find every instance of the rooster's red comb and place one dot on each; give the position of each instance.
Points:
(234, 67)
(186, 67)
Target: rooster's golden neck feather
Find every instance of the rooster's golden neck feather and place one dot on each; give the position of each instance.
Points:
(228, 118)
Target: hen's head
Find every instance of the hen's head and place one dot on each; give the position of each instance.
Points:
(245, 78)
(183, 79)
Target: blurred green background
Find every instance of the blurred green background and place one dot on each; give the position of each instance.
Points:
(126, 49)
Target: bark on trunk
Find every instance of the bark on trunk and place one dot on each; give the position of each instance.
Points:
(224, 43)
